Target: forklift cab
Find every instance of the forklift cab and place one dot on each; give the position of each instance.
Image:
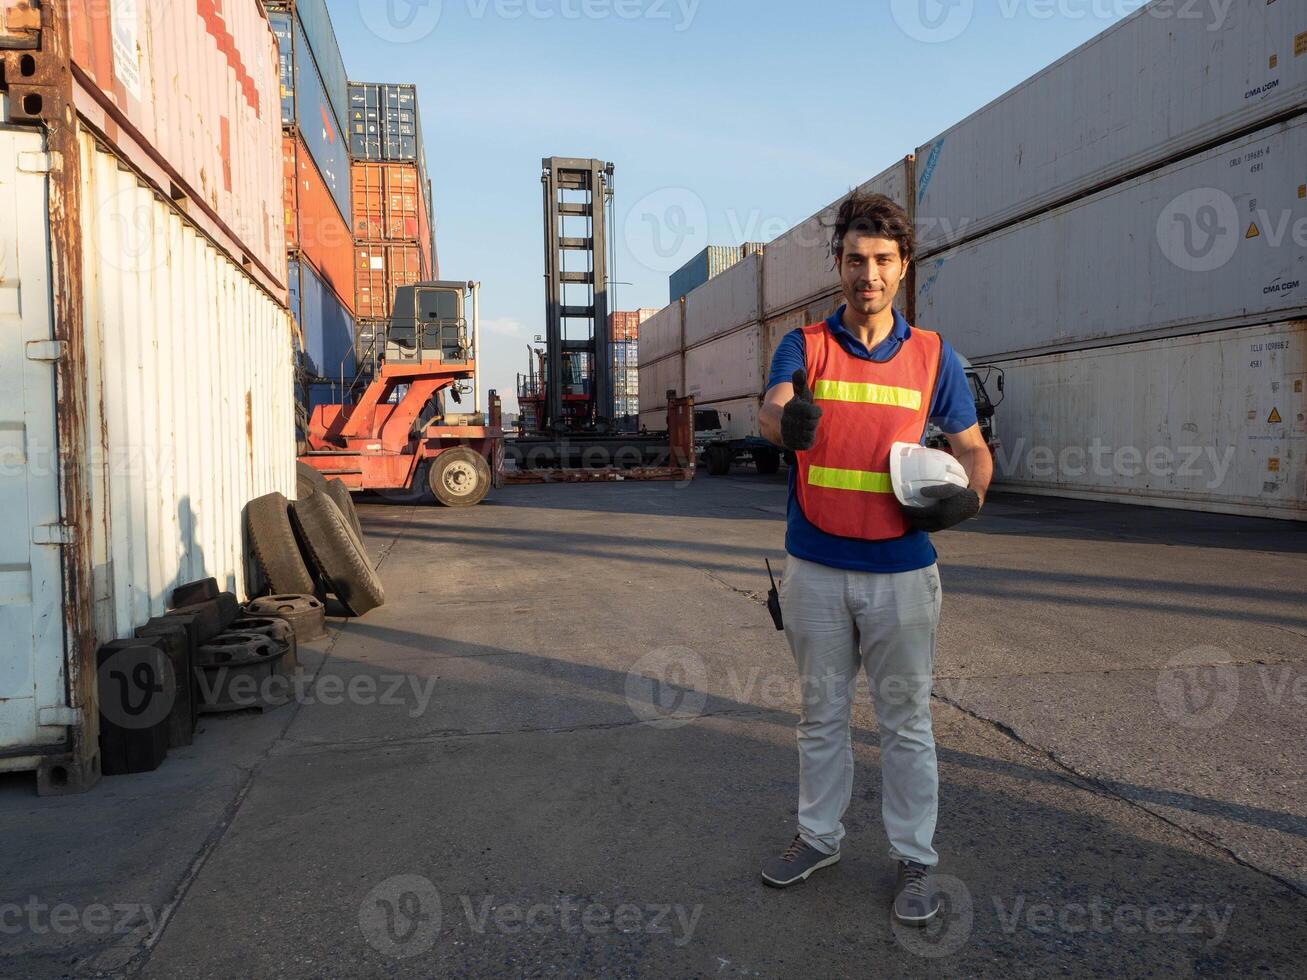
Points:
(428, 324)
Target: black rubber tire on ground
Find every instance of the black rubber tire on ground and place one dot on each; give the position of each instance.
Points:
(768, 461)
(307, 480)
(275, 547)
(341, 495)
(338, 554)
(459, 477)
(718, 460)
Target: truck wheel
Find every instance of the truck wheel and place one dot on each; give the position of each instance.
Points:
(718, 459)
(307, 480)
(338, 555)
(459, 477)
(418, 493)
(275, 547)
(340, 495)
(768, 461)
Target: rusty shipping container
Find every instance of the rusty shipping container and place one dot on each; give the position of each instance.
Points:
(380, 269)
(390, 206)
(187, 92)
(314, 228)
(146, 351)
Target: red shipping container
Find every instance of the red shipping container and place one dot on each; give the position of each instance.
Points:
(314, 226)
(404, 265)
(369, 194)
(389, 206)
(197, 86)
(372, 287)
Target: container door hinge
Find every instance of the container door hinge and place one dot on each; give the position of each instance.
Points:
(36, 162)
(46, 350)
(54, 534)
(59, 716)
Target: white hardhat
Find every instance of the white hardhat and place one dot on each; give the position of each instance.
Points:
(912, 468)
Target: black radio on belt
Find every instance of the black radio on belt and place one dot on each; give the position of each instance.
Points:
(774, 600)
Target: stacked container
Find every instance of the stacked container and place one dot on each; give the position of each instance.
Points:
(712, 261)
(147, 386)
(1124, 235)
(318, 200)
(625, 330)
(393, 221)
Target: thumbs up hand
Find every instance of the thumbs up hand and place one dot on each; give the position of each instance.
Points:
(800, 416)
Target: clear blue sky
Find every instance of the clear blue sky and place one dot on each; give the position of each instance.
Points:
(763, 110)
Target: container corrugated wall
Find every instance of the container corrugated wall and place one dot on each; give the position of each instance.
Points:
(726, 301)
(660, 335)
(198, 83)
(313, 225)
(190, 387)
(1214, 421)
(327, 326)
(1162, 82)
(711, 262)
(315, 21)
(1212, 242)
(725, 368)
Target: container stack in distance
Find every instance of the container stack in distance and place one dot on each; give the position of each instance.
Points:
(393, 220)
(624, 328)
(314, 107)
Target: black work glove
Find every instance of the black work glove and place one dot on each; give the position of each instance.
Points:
(800, 416)
(953, 505)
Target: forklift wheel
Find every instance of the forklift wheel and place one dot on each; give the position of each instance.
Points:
(459, 477)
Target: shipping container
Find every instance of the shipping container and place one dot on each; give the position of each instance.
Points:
(1215, 421)
(382, 268)
(327, 325)
(1168, 80)
(311, 112)
(727, 301)
(385, 124)
(389, 206)
(173, 410)
(191, 100)
(657, 377)
(726, 367)
(320, 37)
(1214, 241)
(313, 225)
(712, 261)
(799, 265)
(662, 333)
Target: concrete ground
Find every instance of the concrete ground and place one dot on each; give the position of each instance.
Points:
(565, 744)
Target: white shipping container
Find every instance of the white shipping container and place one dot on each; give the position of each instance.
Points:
(1215, 422)
(190, 416)
(660, 335)
(1166, 80)
(724, 302)
(1216, 241)
(659, 377)
(799, 266)
(654, 420)
(725, 368)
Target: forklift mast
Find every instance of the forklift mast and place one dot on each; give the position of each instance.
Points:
(577, 197)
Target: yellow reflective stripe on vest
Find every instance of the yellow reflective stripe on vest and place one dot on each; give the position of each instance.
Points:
(867, 394)
(867, 482)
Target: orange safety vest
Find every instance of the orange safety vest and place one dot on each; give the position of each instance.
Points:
(844, 484)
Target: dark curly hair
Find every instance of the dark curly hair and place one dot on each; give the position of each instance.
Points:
(876, 215)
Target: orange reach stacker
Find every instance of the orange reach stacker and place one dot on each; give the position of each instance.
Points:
(397, 437)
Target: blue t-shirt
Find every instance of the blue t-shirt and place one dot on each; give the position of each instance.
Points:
(953, 410)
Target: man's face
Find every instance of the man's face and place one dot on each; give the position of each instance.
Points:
(870, 272)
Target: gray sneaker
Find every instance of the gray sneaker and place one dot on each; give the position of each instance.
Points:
(796, 864)
(915, 903)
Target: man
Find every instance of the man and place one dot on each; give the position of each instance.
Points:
(861, 588)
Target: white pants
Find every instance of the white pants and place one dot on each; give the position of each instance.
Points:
(838, 621)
